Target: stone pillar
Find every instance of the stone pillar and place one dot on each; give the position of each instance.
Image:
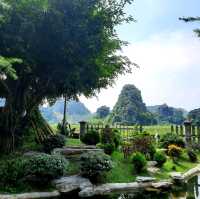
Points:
(82, 128)
(188, 125)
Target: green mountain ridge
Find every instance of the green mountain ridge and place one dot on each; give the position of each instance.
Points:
(76, 111)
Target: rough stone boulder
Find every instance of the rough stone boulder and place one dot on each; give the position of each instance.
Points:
(70, 151)
(143, 179)
(34, 195)
(71, 183)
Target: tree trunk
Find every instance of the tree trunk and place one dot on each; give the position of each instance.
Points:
(13, 123)
(64, 112)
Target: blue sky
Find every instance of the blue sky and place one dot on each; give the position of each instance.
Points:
(167, 51)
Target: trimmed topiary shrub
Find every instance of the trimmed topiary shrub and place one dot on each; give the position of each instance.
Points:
(139, 161)
(171, 138)
(92, 137)
(41, 169)
(160, 158)
(192, 155)
(53, 141)
(95, 164)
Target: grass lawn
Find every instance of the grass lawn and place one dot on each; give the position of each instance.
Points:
(123, 170)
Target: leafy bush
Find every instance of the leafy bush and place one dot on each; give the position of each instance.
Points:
(107, 135)
(174, 151)
(92, 137)
(41, 169)
(109, 148)
(160, 158)
(64, 131)
(94, 164)
(139, 161)
(53, 141)
(117, 138)
(192, 156)
(11, 172)
(171, 138)
(144, 145)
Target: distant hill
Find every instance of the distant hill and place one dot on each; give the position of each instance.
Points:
(76, 111)
(194, 115)
(130, 108)
(167, 114)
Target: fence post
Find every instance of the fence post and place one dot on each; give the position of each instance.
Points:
(198, 134)
(172, 128)
(82, 128)
(188, 126)
(177, 129)
(193, 134)
(181, 130)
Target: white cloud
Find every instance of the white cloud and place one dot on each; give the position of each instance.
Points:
(168, 71)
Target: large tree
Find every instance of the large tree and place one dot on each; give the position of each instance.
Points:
(53, 48)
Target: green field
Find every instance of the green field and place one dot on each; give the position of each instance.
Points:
(153, 130)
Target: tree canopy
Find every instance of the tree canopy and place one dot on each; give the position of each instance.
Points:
(51, 48)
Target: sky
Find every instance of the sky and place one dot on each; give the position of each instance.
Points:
(167, 51)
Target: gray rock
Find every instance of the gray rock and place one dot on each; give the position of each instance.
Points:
(153, 170)
(69, 151)
(72, 183)
(176, 176)
(142, 179)
(34, 195)
(32, 153)
(151, 163)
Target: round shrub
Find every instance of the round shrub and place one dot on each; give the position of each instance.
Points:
(108, 148)
(53, 141)
(171, 138)
(160, 158)
(92, 137)
(174, 151)
(192, 156)
(41, 169)
(94, 164)
(139, 161)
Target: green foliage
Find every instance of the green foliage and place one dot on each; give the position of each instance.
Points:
(160, 158)
(130, 108)
(12, 172)
(171, 138)
(109, 148)
(139, 161)
(41, 169)
(143, 144)
(80, 57)
(192, 155)
(117, 138)
(95, 164)
(110, 140)
(91, 137)
(102, 112)
(53, 141)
